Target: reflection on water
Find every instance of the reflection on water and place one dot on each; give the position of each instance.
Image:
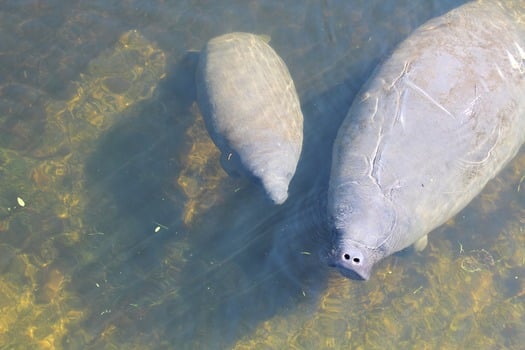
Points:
(130, 234)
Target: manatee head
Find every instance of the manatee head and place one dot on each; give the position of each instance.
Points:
(276, 186)
(354, 260)
(364, 227)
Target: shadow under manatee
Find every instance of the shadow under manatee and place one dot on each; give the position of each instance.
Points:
(129, 180)
(244, 261)
(251, 260)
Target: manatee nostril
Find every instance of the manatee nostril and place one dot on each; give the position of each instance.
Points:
(355, 260)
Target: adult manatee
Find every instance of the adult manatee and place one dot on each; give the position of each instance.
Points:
(439, 119)
(251, 108)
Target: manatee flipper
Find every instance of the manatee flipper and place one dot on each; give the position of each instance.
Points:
(421, 243)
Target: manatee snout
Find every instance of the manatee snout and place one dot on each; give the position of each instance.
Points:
(276, 182)
(277, 188)
(349, 261)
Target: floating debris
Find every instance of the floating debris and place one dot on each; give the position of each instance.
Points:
(521, 180)
(477, 260)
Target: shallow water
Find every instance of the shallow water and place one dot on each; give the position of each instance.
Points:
(119, 229)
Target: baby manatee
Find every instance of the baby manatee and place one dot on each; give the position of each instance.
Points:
(434, 123)
(249, 102)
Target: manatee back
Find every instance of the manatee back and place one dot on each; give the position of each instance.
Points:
(248, 99)
(439, 119)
